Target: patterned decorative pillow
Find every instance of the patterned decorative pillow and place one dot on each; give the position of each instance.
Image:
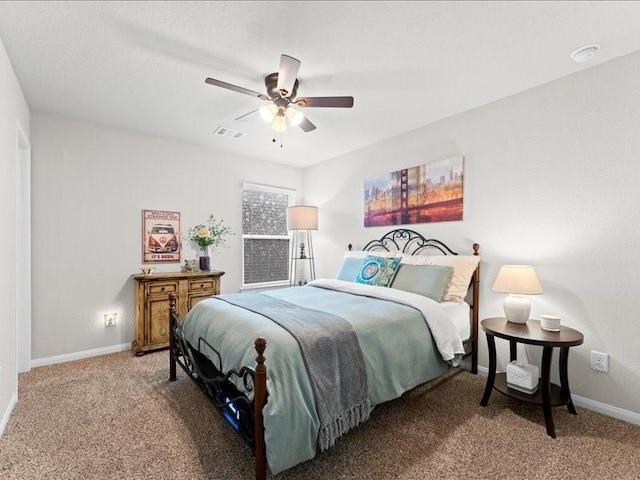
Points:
(378, 271)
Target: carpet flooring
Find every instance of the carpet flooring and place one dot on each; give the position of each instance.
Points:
(117, 417)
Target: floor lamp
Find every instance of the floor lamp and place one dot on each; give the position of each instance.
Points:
(301, 219)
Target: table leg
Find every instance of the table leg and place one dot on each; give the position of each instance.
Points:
(513, 350)
(546, 390)
(564, 379)
(491, 377)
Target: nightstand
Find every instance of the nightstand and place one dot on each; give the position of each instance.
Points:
(530, 333)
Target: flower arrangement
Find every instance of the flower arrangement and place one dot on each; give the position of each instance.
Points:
(212, 233)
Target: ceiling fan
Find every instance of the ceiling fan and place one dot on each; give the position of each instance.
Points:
(282, 87)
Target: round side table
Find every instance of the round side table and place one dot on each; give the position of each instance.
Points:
(530, 333)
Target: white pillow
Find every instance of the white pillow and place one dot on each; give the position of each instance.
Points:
(463, 268)
(415, 259)
(373, 253)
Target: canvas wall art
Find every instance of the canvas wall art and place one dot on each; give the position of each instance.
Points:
(432, 192)
(161, 236)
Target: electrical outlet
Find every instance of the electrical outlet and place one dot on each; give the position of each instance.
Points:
(600, 361)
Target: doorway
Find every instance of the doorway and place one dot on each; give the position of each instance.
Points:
(23, 252)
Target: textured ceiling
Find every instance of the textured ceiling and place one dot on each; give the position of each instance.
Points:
(141, 66)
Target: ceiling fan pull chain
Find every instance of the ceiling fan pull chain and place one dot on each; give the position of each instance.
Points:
(274, 139)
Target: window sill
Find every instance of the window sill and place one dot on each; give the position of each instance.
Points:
(264, 286)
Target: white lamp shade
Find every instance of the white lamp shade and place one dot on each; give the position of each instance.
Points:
(267, 112)
(278, 124)
(518, 279)
(302, 217)
(295, 117)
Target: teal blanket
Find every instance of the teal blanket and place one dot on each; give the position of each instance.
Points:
(332, 357)
(398, 349)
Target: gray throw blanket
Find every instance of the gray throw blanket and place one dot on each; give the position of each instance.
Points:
(333, 358)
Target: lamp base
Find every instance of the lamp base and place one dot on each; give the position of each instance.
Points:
(517, 308)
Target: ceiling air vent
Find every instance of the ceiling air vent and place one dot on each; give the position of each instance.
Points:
(228, 132)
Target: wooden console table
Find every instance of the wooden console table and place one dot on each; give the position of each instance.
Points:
(152, 303)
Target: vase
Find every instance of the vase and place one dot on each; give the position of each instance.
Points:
(205, 259)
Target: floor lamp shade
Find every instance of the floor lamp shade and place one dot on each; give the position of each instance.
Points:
(517, 280)
(302, 217)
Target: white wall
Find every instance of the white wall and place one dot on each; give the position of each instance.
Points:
(90, 184)
(551, 179)
(13, 109)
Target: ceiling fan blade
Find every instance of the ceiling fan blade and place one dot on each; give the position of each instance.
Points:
(235, 88)
(248, 116)
(287, 74)
(339, 102)
(306, 125)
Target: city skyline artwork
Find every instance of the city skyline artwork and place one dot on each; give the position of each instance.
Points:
(431, 192)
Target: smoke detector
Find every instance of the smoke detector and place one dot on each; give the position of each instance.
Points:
(584, 54)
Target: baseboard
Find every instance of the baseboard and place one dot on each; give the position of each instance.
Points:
(7, 413)
(604, 408)
(68, 357)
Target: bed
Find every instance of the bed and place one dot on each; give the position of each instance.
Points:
(400, 338)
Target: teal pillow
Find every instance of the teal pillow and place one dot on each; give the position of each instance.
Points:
(426, 280)
(378, 271)
(349, 269)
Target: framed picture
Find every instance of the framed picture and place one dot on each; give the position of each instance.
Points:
(161, 236)
(432, 192)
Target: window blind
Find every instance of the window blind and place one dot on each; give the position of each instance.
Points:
(264, 234)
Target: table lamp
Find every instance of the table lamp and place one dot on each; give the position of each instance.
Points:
(517, 280)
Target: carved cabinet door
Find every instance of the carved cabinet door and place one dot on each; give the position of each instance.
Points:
(157, 323)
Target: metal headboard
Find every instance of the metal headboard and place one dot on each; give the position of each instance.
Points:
(407, 241)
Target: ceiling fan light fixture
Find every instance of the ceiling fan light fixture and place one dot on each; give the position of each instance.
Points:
(282, 88)
(268, 112)
(278, 124)
(294, 116)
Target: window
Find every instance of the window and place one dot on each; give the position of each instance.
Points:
(265, 240)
